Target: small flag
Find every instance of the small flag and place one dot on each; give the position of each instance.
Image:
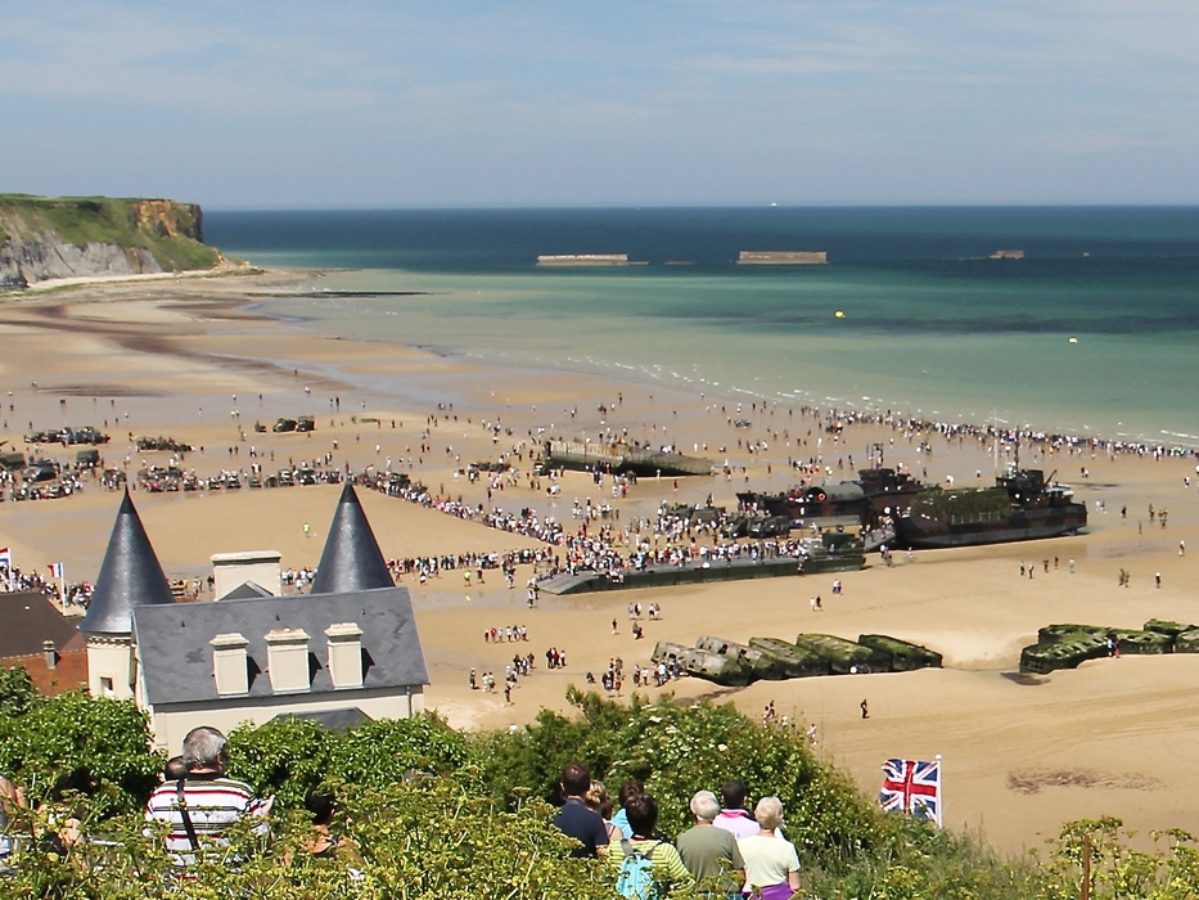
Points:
(55, 570)
(912, 786)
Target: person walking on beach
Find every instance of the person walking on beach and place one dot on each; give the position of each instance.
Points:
(865, 709)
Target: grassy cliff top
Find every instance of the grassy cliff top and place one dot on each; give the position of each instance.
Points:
(169, 230)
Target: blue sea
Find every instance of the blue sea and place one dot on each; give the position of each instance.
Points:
(1093, 332)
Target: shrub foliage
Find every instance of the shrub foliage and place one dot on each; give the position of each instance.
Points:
(424, 811)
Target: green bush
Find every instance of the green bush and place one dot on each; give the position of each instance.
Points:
(475, 823)
(74, 742)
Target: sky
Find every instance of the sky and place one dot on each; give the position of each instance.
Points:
(282, 105)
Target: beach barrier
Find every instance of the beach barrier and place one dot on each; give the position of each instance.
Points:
(1187, 642)
(904, 655)
(783, 660)
(774, 659)
(660, 576)
(1066, 646)
(843, 656)
(618, 459)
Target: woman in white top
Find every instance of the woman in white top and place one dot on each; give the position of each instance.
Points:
(771, 863)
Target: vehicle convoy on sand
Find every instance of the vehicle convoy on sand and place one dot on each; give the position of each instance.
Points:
(85, 434)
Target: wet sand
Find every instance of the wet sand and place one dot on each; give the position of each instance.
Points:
(1022, 755)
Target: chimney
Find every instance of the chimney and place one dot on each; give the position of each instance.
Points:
(229, 664)
(345, 654)
(262, 567)
(50, 655)
(287, 660)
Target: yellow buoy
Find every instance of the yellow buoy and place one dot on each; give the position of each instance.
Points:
(1073, 340)
(839, 314)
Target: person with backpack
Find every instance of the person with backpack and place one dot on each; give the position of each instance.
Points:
(647, 867)
(631, 788)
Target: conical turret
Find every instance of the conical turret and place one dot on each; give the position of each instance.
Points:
(130, 575)
(351, 560)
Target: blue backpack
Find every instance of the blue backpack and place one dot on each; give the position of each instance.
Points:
(636, 880)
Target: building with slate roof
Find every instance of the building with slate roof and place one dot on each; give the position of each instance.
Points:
(130, 576)
(351, 560)
(347, 651)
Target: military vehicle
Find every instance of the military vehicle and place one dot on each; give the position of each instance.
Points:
(40, 470)
(305, 423)
(834, 551)
(283, 424)
(768, 526)
(85, 435)
(87, 459)
(12, 460)
(144, 442)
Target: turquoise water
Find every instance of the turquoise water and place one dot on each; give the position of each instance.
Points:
(928, 323)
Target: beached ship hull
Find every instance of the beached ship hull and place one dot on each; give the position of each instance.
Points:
(1022, 506)
(1023, 526)
(871, 499)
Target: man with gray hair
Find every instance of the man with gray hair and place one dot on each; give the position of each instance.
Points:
(203, 803)
(710, 853)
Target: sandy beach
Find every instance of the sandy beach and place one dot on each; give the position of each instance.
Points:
(1022, 755)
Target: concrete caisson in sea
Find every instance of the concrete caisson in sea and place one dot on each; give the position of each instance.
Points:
(782, 258)
(583, 259)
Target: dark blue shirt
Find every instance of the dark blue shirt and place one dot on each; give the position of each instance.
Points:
(583, 824)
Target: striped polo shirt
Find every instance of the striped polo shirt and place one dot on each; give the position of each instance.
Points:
(213, 803)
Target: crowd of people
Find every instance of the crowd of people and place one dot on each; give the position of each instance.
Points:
(728, 852)
(78, 594)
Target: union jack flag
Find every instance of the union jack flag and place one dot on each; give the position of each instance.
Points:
(912, 786)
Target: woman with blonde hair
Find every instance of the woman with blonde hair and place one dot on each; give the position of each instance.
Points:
(597, 800)
(771, 862)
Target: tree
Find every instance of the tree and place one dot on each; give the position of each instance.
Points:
(16, 690)
(75, 742)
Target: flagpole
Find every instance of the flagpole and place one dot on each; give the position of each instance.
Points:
(940, 789)
(62, 588)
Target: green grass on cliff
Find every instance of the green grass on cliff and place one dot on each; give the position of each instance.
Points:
(103, 220)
